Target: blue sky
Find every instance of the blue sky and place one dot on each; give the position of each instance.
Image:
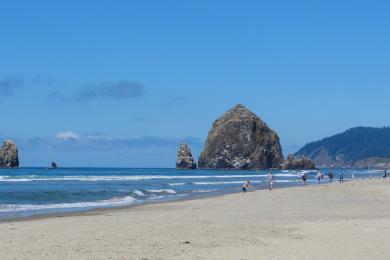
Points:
(103, 83)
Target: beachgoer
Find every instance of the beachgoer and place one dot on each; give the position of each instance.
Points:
(352, 175)
(330, 176)
(304, 178)
(341, 177)
(384, 174)
(271, 180)
(319, 177)
(245, 187)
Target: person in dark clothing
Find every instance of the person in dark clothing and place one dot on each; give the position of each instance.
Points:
(330, 176)
(341, 177)
(245, 187)
(304, 179)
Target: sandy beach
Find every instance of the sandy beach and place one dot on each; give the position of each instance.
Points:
(349, 221)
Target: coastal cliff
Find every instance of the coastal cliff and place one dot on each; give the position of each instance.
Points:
(360, 147)
(9, 155)
(239, 139)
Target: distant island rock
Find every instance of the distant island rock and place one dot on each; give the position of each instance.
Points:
(239, 139)
(9, 155)
(360, 147)
(53, 165)
(292, 163)
(184, 158)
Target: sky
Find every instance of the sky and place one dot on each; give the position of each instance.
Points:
(122, 83)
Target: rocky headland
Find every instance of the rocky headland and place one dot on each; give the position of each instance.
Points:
(239, 139)
(360, 147)
(9, 155)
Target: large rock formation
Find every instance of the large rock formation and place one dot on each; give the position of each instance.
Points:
(9, 155)
(297, 164)
(184, 158)
(241, 140)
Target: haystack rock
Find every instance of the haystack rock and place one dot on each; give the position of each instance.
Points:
(184, 158)
(9, 155)
(291, 163)
(241, 140)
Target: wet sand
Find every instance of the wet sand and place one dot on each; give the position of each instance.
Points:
(349, 221)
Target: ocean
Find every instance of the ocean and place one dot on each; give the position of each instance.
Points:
(31, 191)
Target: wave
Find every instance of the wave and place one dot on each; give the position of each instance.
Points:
(117, 201)
(284, 181)
(139, 193)
(169, 191)
(222, 182)
(26, 178)
(177, 184)
(203, 191)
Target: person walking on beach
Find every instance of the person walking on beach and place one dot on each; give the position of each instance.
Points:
(341, 177)
(246, 186)
(384, 174)
(330, 176)
(319, 177)
(271, 180)
(304, 178)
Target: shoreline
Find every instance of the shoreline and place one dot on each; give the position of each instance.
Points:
(338, 221)
(102, 210)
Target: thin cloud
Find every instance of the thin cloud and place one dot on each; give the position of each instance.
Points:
(9, 84)
(56, 97)
(42, 80)
(176, 101)
(110, 90)
(71, 141)
(114, 90)
(67, 135)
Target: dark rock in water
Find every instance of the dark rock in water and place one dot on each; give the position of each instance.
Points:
(9, 155)
(297, 164)
(241, 140)
(184, 158)
(53, 165)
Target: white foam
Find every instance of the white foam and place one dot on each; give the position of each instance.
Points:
(111, 202)
(284, 181)
(222, 182)
(138, 192)
(27, 178)
(204, 191)
(177, 184)
(285, 175)
(162, 197)
(170, 191)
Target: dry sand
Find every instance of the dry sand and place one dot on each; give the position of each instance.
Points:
(349, 221)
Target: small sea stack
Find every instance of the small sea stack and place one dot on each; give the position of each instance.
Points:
(184, 158)
(292, 163)
(9, 155)
(239, 139)
(53, 165)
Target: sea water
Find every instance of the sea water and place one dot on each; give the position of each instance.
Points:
(31, 191)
